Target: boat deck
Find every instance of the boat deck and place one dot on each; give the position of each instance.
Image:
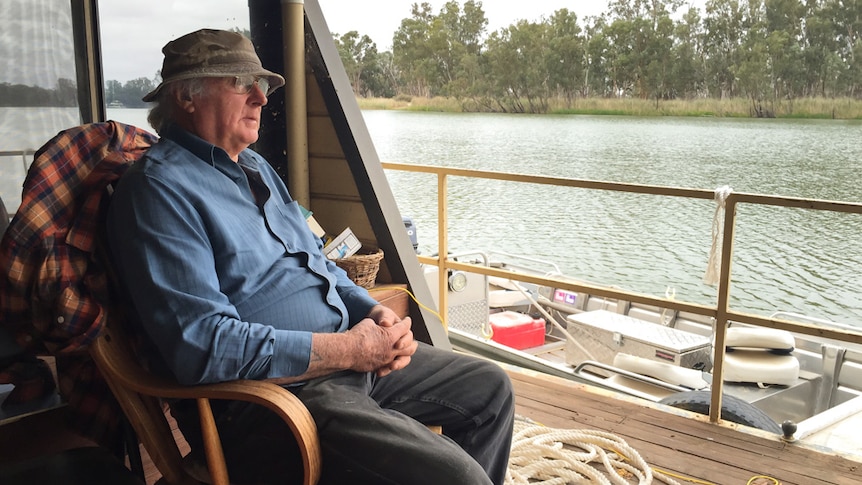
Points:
(668, 439)
(679, 442)
(673, 440)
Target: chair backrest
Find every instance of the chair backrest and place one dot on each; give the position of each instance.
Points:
(59, 311)
(136, 388)
(115, 359)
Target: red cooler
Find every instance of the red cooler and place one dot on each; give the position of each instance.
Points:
(517, 330)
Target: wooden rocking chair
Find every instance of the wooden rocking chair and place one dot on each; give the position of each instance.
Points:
(138, 392)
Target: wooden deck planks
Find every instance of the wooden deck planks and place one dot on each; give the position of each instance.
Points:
(672, 440)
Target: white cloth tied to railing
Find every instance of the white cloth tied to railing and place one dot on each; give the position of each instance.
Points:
(713, 267)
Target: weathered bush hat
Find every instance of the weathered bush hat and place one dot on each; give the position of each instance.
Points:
(211, 53)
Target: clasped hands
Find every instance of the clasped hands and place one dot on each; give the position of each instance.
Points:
(384, 342)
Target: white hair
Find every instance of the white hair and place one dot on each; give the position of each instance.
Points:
(164, 107)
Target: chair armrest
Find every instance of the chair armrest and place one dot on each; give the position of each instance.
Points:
(116, 361)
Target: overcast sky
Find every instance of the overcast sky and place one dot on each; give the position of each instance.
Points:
(149, 25)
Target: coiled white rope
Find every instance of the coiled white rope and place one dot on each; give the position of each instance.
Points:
(549, 456)
(713, 267)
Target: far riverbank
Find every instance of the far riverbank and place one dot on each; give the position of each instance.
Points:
(806, 108)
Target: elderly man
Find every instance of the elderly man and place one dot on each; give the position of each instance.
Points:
(229, 283)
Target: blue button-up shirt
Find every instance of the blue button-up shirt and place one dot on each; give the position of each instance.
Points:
(228, 281)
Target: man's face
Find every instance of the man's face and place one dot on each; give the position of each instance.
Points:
(226, 117)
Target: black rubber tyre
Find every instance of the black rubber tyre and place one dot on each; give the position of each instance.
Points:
(733, 409)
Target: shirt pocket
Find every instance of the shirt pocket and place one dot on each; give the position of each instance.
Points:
(290, 226)
(67, 314)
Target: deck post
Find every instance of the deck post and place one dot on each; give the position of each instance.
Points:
(442, 249)
(293, 34)
(722, 309)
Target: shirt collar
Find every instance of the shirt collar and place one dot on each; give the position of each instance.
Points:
(205, 150)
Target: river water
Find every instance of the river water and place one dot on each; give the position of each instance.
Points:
(784, 259)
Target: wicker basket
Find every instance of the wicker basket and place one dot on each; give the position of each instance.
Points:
(362, 267)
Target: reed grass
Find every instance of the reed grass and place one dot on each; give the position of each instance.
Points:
(813, 108)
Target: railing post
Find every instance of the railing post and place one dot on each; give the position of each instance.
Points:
(442, 249)
(722, 309)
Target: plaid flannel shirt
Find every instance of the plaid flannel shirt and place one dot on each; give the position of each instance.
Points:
(53, 292)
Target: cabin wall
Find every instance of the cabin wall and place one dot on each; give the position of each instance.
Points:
(335, 197)
(347, 184)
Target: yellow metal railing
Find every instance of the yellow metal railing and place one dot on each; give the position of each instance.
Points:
(721, 312)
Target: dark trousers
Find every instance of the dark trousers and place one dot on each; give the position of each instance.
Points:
(372, 430)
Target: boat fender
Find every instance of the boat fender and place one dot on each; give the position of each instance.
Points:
(663, 371)
(760, 367)
(775, 340)
(733, 409)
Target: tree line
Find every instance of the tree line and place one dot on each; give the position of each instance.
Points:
(19, 95)
(767, 51)
(65, 95)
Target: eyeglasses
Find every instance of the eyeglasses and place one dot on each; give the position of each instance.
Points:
(243, 84)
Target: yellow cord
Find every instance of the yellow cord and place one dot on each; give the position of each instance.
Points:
(405, 290)
(669, 473)
(752, 479)
(682, 477)
(697, 480)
